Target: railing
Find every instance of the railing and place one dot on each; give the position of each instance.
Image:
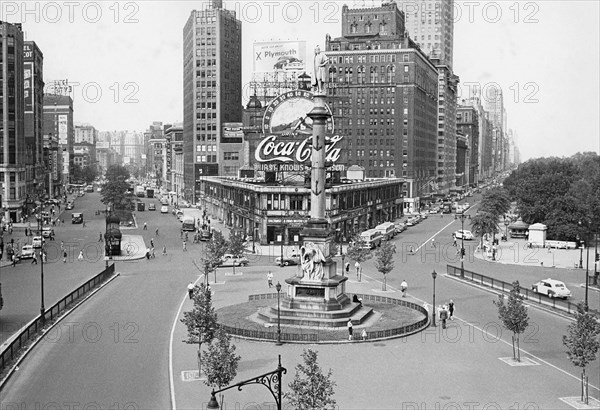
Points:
(314, 336)
(32, 330)
(528, 294)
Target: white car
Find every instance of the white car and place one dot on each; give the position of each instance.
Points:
(552, 288)
(164, 209)
(468, 236)
(27, 252)
(36, 242)
(230, 260)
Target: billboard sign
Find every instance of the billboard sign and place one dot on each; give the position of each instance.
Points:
(102, 145)
(62, 129)
(28, 85)
(279, 55)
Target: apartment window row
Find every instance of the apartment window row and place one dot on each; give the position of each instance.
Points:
(231, 156)
(206, 158)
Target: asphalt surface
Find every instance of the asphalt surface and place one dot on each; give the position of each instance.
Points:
(118, 350)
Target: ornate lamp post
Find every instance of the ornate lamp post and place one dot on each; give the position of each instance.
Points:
(506, 223)
(433, 275)
(278, 287)
(42, 308)
(269, 380)
(462, 217)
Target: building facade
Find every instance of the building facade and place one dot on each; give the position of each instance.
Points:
(174, 166)
(467, 124)
(86, 133)
(58, 121)
(383, 93)
(13, 171)
(212, 89)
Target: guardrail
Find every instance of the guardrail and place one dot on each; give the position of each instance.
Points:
(528, 294)
(312, 335)
(33, 329)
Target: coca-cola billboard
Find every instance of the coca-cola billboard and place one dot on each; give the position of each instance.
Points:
(287, 131)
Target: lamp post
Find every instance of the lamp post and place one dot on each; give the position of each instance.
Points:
(42, 308)
(271, 380)
(278, 287)
(506, 223)
(433, 275)
(462, 217)
(581, 254)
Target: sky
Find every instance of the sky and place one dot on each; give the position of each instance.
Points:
(125, 58)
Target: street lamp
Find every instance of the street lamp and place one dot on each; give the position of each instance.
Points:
(462, 217)
(433, 275)
(42, 308)
(278, 288)
(271, 380)
(506, 223)
(581, 254)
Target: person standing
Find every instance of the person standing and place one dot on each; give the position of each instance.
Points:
(145, 226)
(80, 257)
(357, 266)
(270, 279)
(84, 223)
(451, 309)
(403, 288)
(44, 257)
(349, 329)
(34, 258)
(64, 255)
(13, 258)
(444, 316)
(190, 289)
(164, 250)
(157, 232)
(433, 242)
(152, 252)
(148, 253)
(152, 242)
(184, 245)
(453, 239)
(100, 238)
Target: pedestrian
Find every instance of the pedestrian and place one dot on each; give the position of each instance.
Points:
(164, 250)
(349, 329)
(403, 287)
(148, 253)
(84, 223)
(80, 257)
(270, 279)
(357, 266)
(185, 245)
(44, 257)
(34, 258)
(453, 239)
(433, 242)
(152, 252)
(444, 316)
(145, 226)
(185, 236)
(100, 238)
(157, 232)
(26, 234)
(181, 234)
(152, 242)
(364, 334)
(64, 256)
(62, 245)
(13, 258)
(451, 309)
(190, 289)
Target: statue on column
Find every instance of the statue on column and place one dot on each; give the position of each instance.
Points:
(320, 71)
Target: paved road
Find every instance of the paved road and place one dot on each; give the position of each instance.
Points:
(143, 302)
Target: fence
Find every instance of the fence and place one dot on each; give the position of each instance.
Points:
(32, 330)
(506, 287)
(314, 336)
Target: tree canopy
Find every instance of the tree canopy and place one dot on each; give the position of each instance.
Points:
(311, 389)
(558, 192)
(384, 260)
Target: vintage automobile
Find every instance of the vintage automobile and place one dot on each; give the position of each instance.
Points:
(468, 236)
(230, 260)
(551, 288)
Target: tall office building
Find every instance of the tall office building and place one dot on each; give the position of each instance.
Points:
(34, 102)
(58, 121)
(12, 132)
(383, 93)
(212, 89)
(430, 23)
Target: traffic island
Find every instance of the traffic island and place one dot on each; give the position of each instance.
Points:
(388, 318)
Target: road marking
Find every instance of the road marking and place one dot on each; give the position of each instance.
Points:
(433, 236)
(175, 321)
(493, 336)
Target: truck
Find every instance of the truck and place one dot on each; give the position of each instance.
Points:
(150, 192)
(446, 208)
(140, 191)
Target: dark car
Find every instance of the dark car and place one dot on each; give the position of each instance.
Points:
(69, 205)
(286, 261)
(151, 207)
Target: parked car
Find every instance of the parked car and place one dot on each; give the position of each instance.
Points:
(47, 232)
(468, 236)
(164, 209)
(400, 227)
(552, 288)
(69, 205)
(286, 261)
(151, 207)
(36, 242)
(26, 252)
(230, 260)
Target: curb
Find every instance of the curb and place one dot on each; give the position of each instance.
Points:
(41, 336)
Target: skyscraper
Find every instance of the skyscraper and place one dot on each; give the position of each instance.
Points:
(12, 133)
(212, 85)
(34, 102)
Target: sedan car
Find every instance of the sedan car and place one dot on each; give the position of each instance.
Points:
(47, 232)
(151, 207)
(286, 261)
(69, 205)
(468, 236)
(230, 260)
(27, 252)
(164, 209)
(552, 288)
(36, 242)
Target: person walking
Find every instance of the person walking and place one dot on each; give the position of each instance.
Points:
(164, 250)
(157, 232)
(357, 266)
(80, 257)
(44, 257)
(100, 238)
(13, 258)
(403, 288)
(184, 245)
(34, 258)
(433, 242)
(451, 309)
(84, 223)
(349, 329)
(152, 252)
(453, 239)
(190, 289)
(270, 279)
(145, 226)
(148, 253)
(444, 316)
(64, 256)
(152, 242)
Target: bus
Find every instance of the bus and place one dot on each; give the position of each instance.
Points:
(387, 229)
(140, 191)
(188, 224)
(371, 238)
(447, 208)
(150, 192)
(77, 218)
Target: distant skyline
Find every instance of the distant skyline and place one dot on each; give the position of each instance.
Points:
(127, 58)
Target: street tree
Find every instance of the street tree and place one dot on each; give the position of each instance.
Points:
(513, 315)
(496, 203)
(115, 194)
(357, 251)
(116, 172)
(215, 249)
(384, 260)
(201, 321)
(484, 223)
(237, 239)
(221, 362)
(311, 389)
(583, 344)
